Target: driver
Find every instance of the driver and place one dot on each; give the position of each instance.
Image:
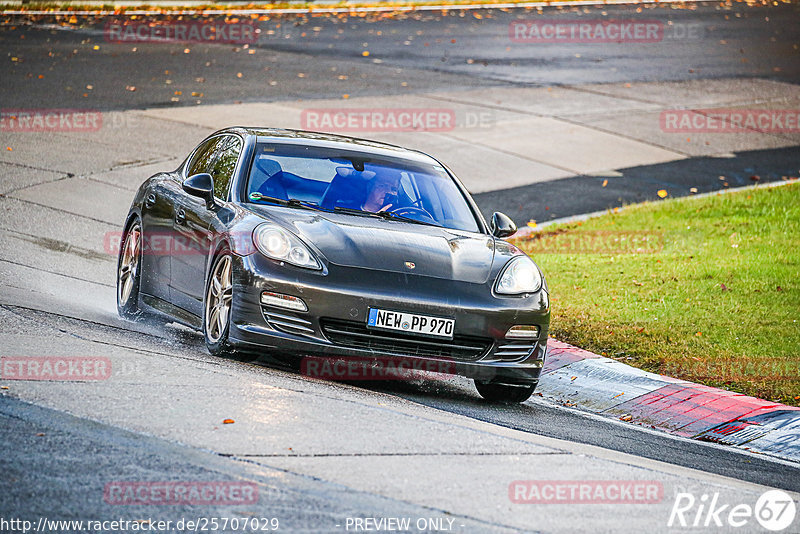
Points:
(381, 193)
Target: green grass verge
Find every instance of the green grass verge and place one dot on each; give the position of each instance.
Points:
(706, 289)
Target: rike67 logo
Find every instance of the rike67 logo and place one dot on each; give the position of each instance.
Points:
(774, 510)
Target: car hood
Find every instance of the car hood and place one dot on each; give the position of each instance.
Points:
(395, 246)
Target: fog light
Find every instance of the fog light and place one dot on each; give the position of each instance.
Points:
(283, 301)
(523, 331)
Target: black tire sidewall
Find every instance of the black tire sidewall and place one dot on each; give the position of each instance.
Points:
(130, 310)
(222, 347)
(502, 393)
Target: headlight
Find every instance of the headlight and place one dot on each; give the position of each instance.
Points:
(276, 243)
(520, 275)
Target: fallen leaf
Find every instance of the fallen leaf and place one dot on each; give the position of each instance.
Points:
(365, 53)
(662, 193)
(3, 387)
(693, 190)
(723, 287)
(130, 88)
(605, 183)
(698, 334)
(9, 148)
(626, 417)
(755, 178)
(228, 421)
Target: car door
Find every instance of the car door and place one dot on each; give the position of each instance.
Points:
(157, 213)
(192, 223)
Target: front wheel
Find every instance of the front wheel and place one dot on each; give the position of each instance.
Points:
(129, 274)
(217, 305)
(505, 392)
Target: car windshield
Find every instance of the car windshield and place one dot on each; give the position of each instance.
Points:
(358, 183)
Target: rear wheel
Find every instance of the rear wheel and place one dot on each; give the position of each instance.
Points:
(217, 305)
(129, 272)
(505, 392)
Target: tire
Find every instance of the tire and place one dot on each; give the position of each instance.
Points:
(129, 276)
(217, 305)
(508, 393)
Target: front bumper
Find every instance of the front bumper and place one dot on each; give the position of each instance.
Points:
(338, 301)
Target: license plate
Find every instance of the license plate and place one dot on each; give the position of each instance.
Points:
(411, 323)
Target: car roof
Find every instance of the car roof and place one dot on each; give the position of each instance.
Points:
(328, 140)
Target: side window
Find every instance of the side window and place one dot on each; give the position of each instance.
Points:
(204, 157)
(224, 165)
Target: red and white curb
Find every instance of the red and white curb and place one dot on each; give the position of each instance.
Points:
(580, 378)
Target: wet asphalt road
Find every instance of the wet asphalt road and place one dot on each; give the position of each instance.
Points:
(738, 41)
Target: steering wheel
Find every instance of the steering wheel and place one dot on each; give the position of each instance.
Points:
(410, 211)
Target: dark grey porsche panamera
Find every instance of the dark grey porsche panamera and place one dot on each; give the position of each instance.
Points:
(322, 245)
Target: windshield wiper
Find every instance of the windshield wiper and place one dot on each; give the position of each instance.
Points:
(292, 202)
(389, 216)
(354, 211)
(409, 219)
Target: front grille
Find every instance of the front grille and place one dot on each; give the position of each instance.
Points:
(357, 336)
(287, 323)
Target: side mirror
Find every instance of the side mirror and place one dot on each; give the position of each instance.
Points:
(200, 185)
(502, 225)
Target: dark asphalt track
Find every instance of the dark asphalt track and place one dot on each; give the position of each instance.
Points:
(300, 57)
(456, 395)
